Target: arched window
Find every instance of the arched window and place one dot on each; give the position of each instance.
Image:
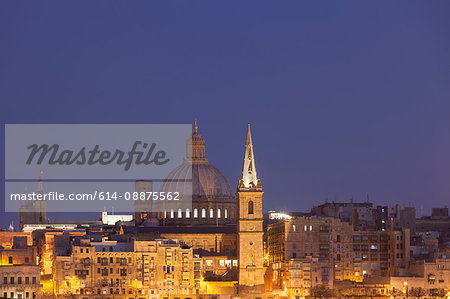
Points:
(188, 213)
(172, 214)
(195, 213)
(218, 213)
(180, 213)
(211, 213)
(250, 207)
(226, 214)
(203, 213)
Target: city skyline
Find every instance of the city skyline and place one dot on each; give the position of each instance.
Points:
(337, 109)
(420, 211)
(232, 150)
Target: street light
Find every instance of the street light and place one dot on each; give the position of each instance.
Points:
(406, 288)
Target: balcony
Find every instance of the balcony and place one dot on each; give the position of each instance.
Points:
(86, 263)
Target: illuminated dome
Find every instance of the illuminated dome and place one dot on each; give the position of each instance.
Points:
(213, 199)
(208, 182)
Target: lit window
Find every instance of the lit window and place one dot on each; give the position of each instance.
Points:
(218, 213)
(203, 213)
(294, 228)
(195, 213)
(226, 213)
(172, 214)
(188, 213)
(211, 213)
(310, 228)
(180, 214)
(306, 228)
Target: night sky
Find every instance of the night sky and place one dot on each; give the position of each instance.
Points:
(345, 99)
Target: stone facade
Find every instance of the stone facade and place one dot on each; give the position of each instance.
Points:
(19, 281)
(327, 239)
(19, 273)
(136, 269)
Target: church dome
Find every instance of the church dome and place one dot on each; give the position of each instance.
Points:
(207, 181)
(213, 201)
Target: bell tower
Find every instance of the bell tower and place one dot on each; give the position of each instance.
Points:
(33, 212)
(250, 225)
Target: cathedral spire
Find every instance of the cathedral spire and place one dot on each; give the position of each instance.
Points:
(249, 178)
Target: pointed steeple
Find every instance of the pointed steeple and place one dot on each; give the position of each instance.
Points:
(249, 178)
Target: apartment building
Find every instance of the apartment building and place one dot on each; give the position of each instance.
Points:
(19, 274)
(131, 269)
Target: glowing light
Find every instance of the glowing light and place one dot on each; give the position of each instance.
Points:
(281, 216)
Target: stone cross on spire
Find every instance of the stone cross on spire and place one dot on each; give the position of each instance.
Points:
(249, 178)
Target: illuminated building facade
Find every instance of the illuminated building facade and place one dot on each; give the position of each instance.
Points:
(19, 273)
(136, 269)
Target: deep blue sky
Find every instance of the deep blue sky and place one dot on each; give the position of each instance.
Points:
(345, 98)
